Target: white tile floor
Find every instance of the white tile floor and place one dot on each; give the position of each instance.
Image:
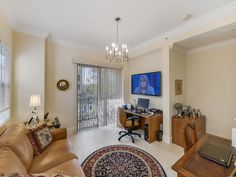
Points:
(88, 141)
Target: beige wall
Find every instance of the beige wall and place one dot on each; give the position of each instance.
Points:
(59, 65)
(149, 62)
(211, 86)
(28, 74)
(177, 71)
(6, 34)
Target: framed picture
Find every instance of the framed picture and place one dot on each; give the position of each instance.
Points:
(178, 87)
(63, 85)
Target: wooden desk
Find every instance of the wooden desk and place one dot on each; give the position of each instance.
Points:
(192, 165)
(152, 121)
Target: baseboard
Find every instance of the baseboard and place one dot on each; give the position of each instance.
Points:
(167, 139)
(71, 131)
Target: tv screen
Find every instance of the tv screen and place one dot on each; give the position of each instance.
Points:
(146, 84)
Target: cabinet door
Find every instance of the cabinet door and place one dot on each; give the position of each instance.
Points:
(177, 127)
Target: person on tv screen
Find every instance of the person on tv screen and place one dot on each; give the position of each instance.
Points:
(144, 87)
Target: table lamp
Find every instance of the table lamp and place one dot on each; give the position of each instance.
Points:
(34, 102)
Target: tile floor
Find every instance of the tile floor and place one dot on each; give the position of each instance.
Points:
(88, 141)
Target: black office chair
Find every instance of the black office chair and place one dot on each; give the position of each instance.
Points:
(130, 123)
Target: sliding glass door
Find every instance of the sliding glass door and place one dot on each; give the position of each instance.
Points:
(99, 95)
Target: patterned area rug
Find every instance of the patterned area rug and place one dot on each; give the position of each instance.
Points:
(122, 160)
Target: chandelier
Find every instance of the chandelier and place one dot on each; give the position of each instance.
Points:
(116, 53)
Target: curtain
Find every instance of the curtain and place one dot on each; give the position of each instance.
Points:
(99, 95)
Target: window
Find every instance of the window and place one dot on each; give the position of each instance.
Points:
(99, 96)
(4, 84)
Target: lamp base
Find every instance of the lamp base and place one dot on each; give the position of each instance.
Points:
(33, 120)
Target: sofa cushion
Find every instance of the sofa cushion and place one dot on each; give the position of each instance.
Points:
(40, 138)
(70, 168)
(57, 153)
(10, 163)
(15, 137)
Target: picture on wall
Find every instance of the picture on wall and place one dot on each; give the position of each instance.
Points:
(146, 84)
(178, 87)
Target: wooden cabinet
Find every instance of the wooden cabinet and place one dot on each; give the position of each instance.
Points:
(178, 124)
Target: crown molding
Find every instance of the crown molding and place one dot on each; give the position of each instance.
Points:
(8, 13)
(32, 31)
(171, 36)
(216, 45)
(68, 43)
(167, 38)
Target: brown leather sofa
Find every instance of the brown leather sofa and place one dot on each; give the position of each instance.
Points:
(16, 154)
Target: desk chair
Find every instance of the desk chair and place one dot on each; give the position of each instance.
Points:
(130, 123)
(189, 136)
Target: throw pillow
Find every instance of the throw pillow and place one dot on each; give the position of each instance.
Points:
(40, 138)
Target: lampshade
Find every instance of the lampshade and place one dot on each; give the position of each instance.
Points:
(34, 101)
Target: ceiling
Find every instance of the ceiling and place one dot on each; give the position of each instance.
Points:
(220, 34)
(90, 23)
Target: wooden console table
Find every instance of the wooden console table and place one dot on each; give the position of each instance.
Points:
(152, 121)
(193, 165)
(178, 125)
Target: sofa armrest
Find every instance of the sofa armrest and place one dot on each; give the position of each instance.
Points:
(59, 133)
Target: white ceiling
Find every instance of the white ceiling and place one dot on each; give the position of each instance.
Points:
(220, 34)
(90, 23)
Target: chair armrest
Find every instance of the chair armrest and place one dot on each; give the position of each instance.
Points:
(59, 133)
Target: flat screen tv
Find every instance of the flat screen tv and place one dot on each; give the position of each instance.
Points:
(146, 84)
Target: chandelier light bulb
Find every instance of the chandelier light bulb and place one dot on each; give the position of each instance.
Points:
(110, 52)
(113, 45)
(107, 48)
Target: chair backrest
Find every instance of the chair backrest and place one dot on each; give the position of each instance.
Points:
(122, 117)
(189, 136)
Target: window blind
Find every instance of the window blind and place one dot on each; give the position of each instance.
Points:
(4, 84)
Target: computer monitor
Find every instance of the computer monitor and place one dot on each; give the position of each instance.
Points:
(143, 103)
